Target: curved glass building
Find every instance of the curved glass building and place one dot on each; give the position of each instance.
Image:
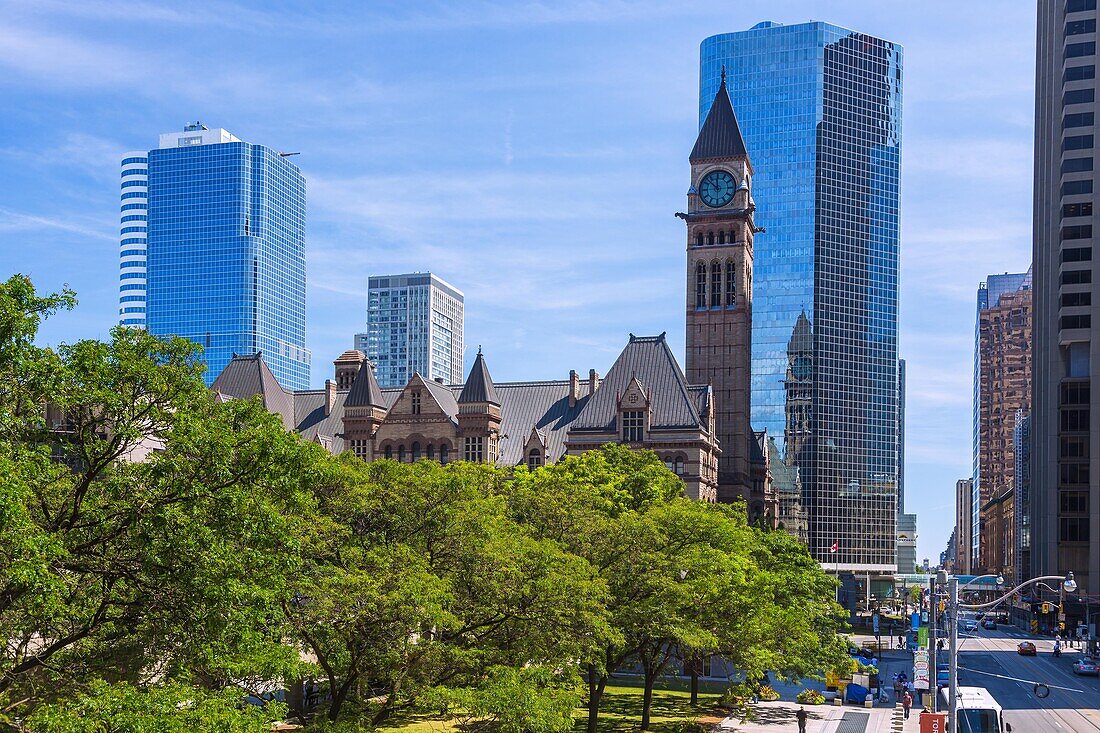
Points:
(820, 110)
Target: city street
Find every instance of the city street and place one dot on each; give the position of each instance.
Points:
(1074, 709)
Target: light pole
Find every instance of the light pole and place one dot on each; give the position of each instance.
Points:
(1068, 585)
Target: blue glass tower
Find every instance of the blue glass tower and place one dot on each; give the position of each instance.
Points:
(820, 110)
(226, 251)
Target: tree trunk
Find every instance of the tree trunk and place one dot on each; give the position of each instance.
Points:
(647, 695)
(596, 684)
(694, 684)
(339, 696)
(387, 708)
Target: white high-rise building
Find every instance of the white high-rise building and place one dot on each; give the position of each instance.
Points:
(132, 232)
(414, 326)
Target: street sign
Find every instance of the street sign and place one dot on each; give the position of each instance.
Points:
(922, 636)
(920, 668)
(874, 622)
(932, 722)
(916, 621)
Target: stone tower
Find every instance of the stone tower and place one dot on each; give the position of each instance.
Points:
(720, 230)
(798, 389)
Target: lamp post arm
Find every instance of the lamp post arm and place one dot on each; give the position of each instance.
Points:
(980, 606)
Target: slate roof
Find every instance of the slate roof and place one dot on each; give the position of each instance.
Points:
(542, 405)
(673, 402)
(444, 395)
(364, 391)
(720, 136)
(247, 376)
(311, 420)
(479, 385)
(802, 338)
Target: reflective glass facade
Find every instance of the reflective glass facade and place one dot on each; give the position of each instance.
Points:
(226, 254)
(820, 110)
(414, 326)
(131, 236)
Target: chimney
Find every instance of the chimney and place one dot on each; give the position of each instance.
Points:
(574, 388)
(439, 380)
(593, 381)
(330, 396)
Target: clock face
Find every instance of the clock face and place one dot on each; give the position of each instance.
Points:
(716, 189)
(801, 367)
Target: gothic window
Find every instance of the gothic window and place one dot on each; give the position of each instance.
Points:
(401, 453)
(678, 467)
(633, 424)
(710, 238)
(715, 284)
(474, 450)
(699, 239)
(668, 463)
(416, 403)
(700, 285)
(731, 284)
(443, 454)
(721, 237)
(388, 453)
(534, 458)
(416, 452)
(431, 452)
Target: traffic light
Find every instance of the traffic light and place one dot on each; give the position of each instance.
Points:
(1061, 625)
(1046, 607)
(943, 606)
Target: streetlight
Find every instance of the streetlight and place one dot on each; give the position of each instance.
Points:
(1068, 585)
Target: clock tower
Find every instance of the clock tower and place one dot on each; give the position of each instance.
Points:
(720, 232)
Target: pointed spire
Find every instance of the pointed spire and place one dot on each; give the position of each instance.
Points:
(365, 391)
(479, 385)
(720, 136)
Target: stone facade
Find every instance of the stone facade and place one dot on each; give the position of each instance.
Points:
(720, 232)
(644, 402)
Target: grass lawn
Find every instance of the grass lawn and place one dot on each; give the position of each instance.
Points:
(621, 711)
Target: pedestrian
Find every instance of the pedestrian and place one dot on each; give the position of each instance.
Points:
(906, 703)
(801, 715)
(898, 689)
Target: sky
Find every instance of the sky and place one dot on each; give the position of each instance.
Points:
(531, 153)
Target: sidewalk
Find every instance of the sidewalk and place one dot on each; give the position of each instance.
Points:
(779, 717)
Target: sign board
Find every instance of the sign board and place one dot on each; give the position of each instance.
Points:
(920, 669)
(916, 621)
(874, 623)
(922, 636)
(932, 722)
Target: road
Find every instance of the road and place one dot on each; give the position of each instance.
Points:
(1073, 710)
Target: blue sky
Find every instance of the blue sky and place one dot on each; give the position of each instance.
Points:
(532, 154)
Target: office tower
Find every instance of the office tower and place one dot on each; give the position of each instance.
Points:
(1021, 438)
(1002, 383)
(820, 111)
(132, 232)
(901, 437)
(964, 518)
(226, 251)
(1065, 490)
(414, 326)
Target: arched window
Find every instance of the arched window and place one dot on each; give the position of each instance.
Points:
(431, 452)
(715, 284)
(416, 451)
(721, 237)
(710, 238)
(731, 284)
(699, 239)
(700, 285)
(401, 453)
(388, 453)
(534, 458)
(668, 463)
(443, 454)
(678, 466)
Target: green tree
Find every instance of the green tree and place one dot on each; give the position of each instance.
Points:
(133, 569)
(418, 578)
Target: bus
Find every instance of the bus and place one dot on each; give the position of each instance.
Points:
(976, 710)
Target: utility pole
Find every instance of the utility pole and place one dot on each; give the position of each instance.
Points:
(934, 664)
(953, 668)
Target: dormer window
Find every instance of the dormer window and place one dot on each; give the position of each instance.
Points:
(534, 458)
(633, 426)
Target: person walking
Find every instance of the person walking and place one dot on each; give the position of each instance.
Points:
(906, 703)
(801, 716)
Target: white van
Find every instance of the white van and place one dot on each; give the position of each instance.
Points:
(976, 711)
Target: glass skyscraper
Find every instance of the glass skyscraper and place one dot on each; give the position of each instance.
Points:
(414, 326)
(226, 251)
(820, 110)
(131, 235)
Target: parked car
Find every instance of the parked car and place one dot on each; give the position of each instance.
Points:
(989, 624)
(1025, 648)
(943, 676)
(1085, 665)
